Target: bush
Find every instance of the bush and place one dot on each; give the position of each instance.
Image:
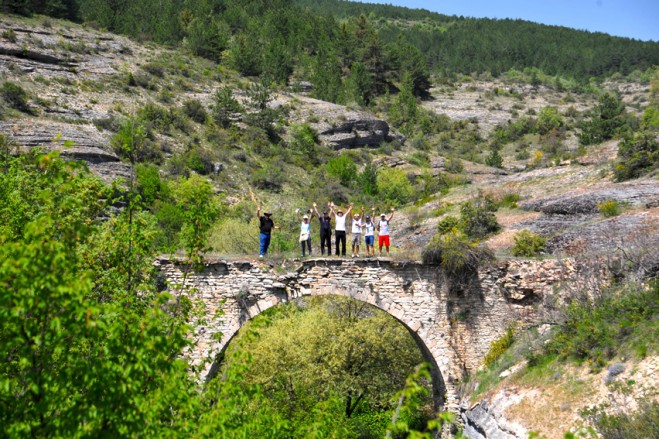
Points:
(195, 110)
(639, 424)
(394, 187)
(528, 244)
(447, 224)
(609, 208)
(597, 331)
(344, 168)
(15, 96)
(499, 346)
(304, 139)
(637, 155)
(477, 217)
(455, 252)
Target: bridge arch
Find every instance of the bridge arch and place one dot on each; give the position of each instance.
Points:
(439, 391)
(454, 329)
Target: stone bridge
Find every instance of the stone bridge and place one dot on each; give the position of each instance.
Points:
(453, 325)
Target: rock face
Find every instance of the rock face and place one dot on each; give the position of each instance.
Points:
(486, 419)
(77, 142)
(340, 127)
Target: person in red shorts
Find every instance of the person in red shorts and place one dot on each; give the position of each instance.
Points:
(383, 229)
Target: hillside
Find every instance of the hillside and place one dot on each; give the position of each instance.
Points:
(518, 151)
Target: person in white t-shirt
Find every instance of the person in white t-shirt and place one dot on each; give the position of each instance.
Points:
(357, 226)
(383, 229)
(340, 228)
(369, 234)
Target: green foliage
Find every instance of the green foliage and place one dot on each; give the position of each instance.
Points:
(344, 168)
(499, 346)
(639, 423)
(494, 158)
(368, 179)
(82, 340)
(225, 107)
(528, 244)
(455, 252)
(608, 120)
(131, 142)
(394, 187)
(327, 361)
(195, 110)
(304, 140)
(477, 217)
(609, 208)
(448, 223)
(637, 155)
(403, 111)
(549, 119)
(199, 209)
(15, 96)
(598, 331)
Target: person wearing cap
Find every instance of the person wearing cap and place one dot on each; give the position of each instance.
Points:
(340, 228)
(325, 230)
(305, 230)
(369, 234)
(383, 231)
(265, 227)
(357, 226)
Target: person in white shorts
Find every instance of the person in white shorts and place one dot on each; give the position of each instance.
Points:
(356, 233)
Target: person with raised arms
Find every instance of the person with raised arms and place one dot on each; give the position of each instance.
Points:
(383, 229)
(325, 230)
(266, 225)
(305, 230)
(340, 228)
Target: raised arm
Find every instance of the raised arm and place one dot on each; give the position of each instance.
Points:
(258, 211)
(349, 209)
(392, 214)
(315, 209)
(331, 208)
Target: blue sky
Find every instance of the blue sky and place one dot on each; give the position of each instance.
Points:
(638, 19)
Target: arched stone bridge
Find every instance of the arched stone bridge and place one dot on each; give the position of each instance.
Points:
(453, 326)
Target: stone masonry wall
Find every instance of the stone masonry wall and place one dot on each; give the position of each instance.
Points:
(453, 325)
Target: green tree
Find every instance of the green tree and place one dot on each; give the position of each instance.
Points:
(394, 187)
(359, 85)
(549, 119)
(607, 121)
(637, 155)
(334, 353)
(199, 209)
(225, 107)
(344, 168)
(404, 110)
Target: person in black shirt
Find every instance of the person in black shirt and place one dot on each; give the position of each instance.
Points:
(325, 231)
(265, 227)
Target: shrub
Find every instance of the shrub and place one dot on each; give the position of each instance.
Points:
(394, 187)
(499, 346)
(597, 331)
(195, 110)
(455, 252)
(641, 423)
(528, 244)
(447, 224)
(344, 168)
(477, 217)
(609, 208)
(637, 155)
(15, 96)
(304, 139)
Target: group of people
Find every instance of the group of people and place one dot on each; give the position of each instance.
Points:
(360, 226)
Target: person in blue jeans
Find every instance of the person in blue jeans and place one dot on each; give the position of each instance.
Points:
(266, 225)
